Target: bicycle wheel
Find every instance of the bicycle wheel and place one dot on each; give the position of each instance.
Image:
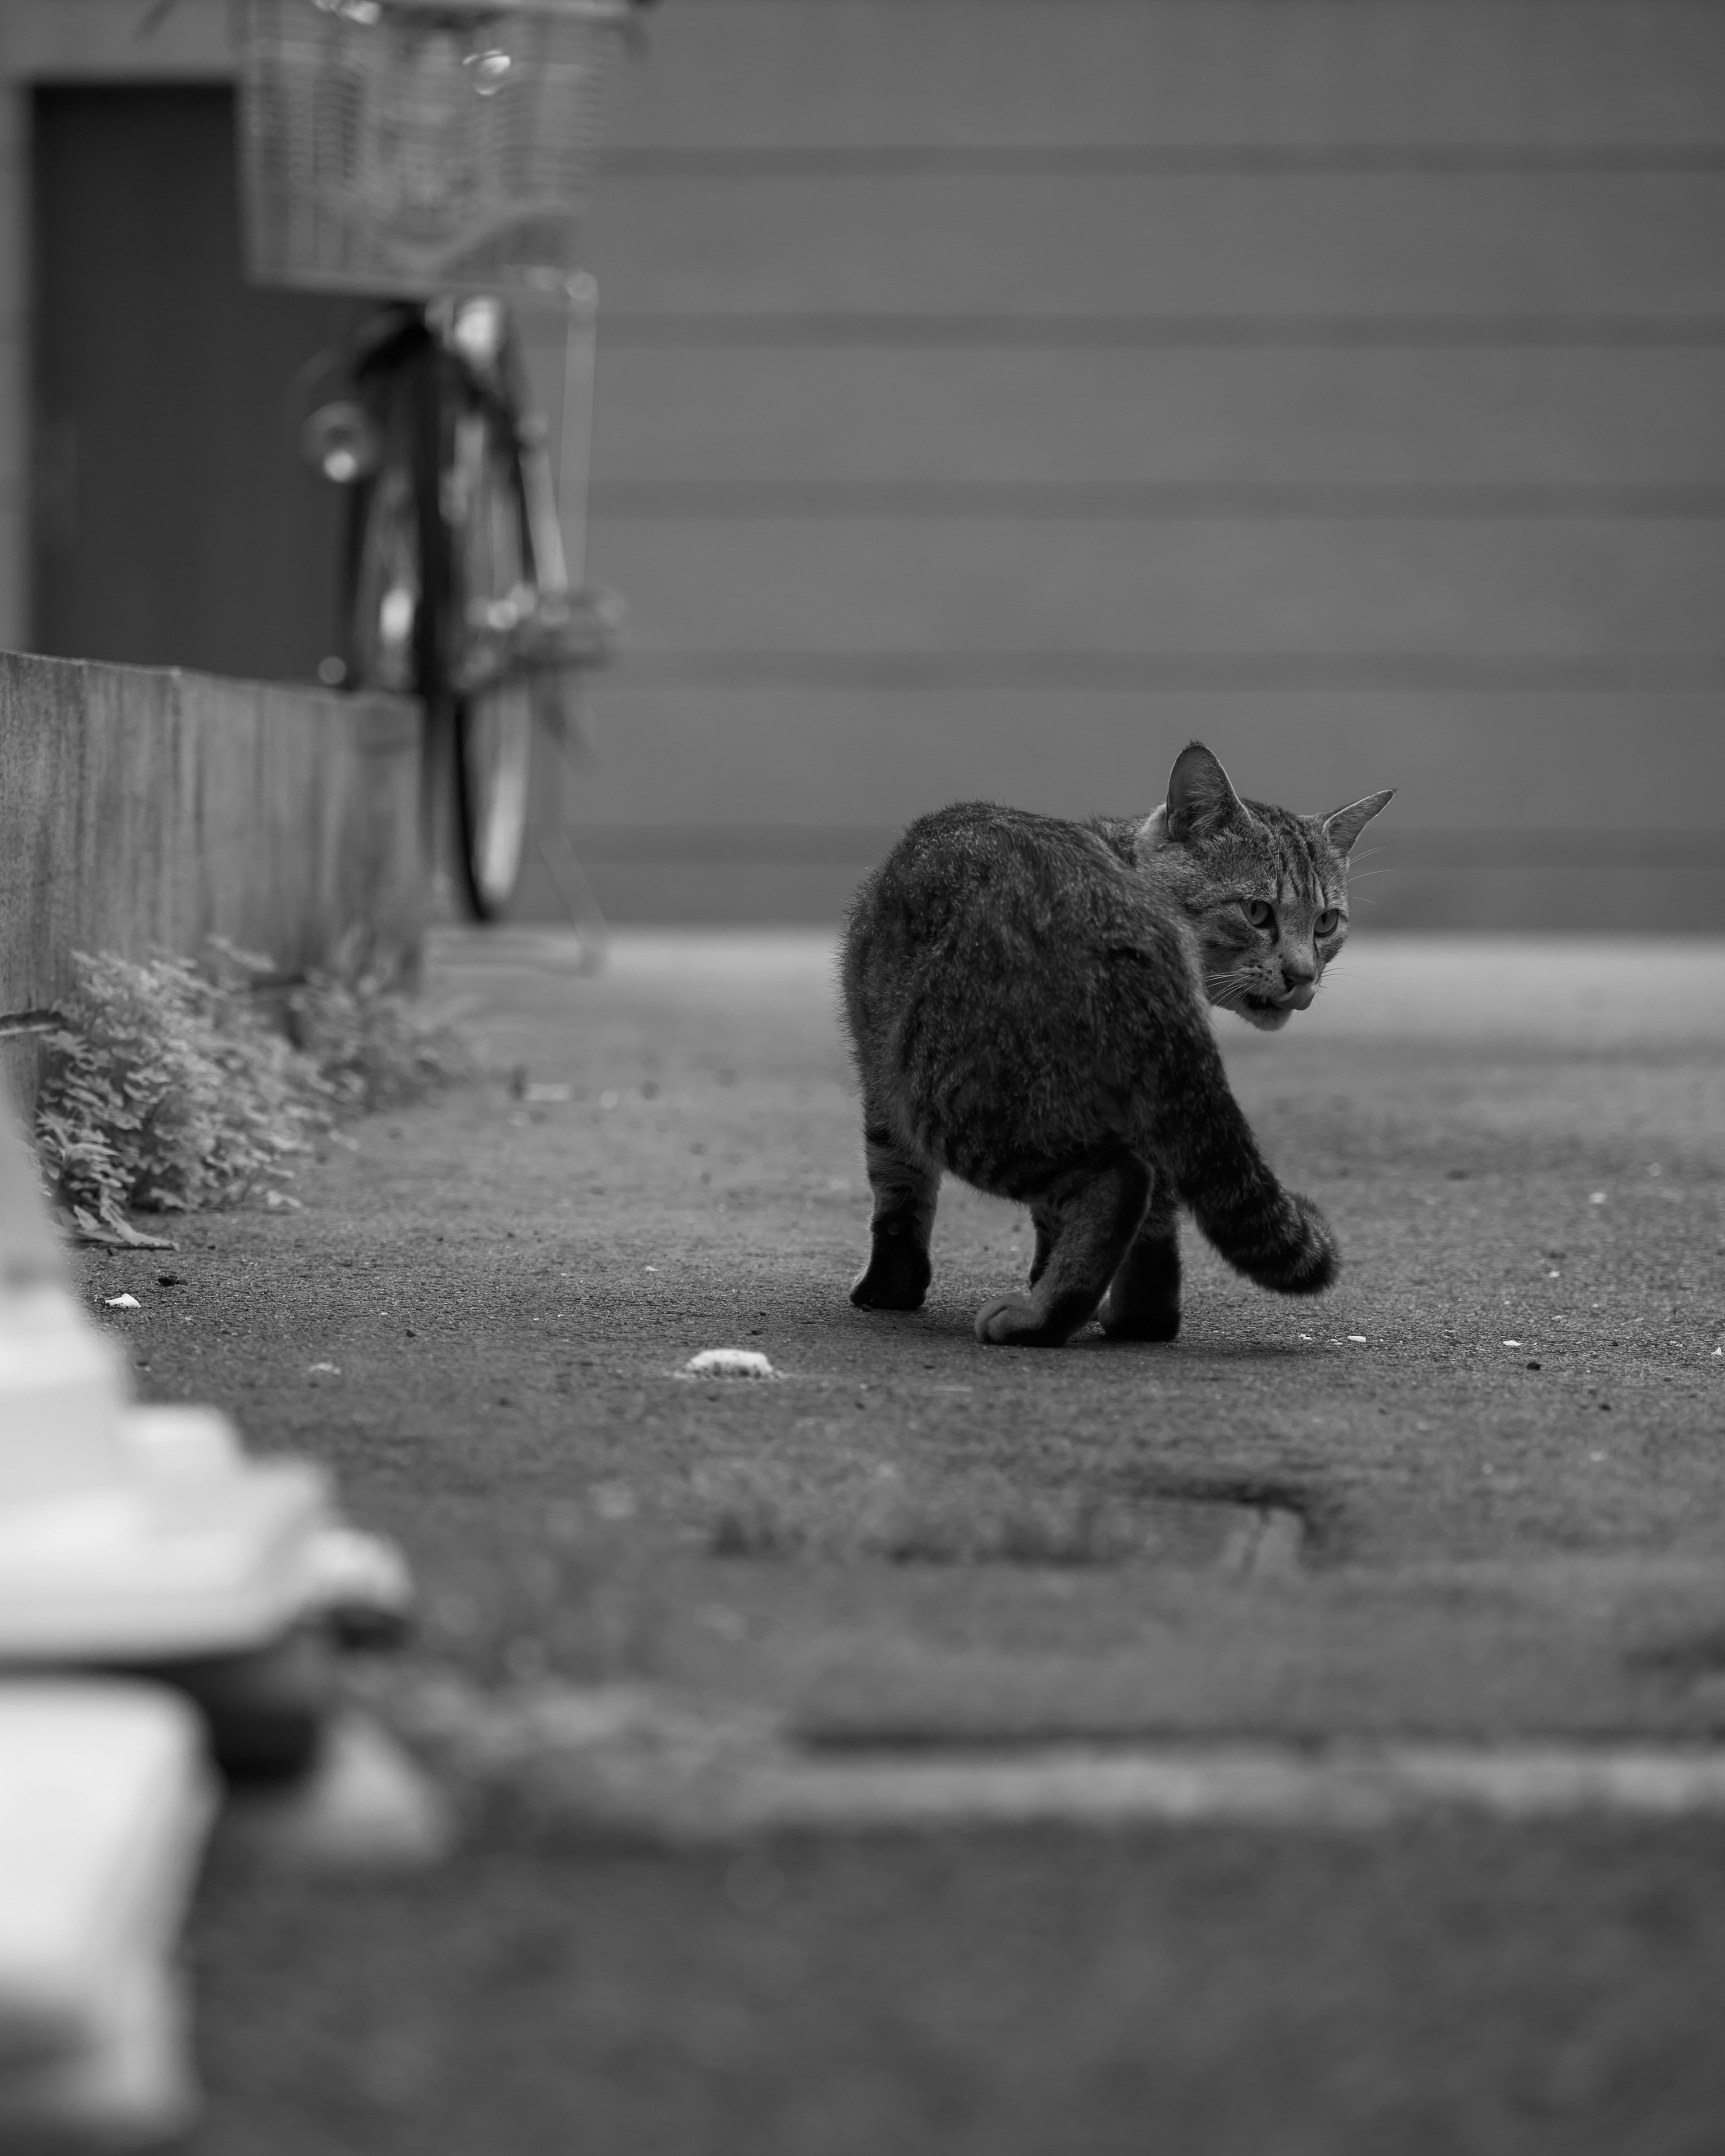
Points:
(492, 590)
(398, 573)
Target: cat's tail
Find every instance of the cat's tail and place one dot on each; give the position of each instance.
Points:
(1274, 1235)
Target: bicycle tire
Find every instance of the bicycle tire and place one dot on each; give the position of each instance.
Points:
(440, 544)
(398, 573)
(493, 581)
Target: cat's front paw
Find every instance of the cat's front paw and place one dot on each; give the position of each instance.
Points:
(1013, 1320)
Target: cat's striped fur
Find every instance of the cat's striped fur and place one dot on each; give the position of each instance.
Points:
(1026, 1003)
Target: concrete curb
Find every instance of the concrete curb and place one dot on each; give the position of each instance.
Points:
(142, 809)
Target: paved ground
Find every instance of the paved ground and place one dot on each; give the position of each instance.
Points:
(1501, 1439)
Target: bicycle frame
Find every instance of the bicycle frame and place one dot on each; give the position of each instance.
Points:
(568, 628)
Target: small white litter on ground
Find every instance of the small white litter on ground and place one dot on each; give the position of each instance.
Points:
(728, 1363)
(323, 1370)
(1355, 1339)
(122, 1302)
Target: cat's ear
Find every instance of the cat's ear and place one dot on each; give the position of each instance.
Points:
(1200, 800)
(1342, 826)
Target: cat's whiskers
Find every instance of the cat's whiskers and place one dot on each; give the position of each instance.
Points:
(1229, 991)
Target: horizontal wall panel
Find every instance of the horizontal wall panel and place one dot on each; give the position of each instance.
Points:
(1523, 764)
(1565, 900)
(1120, 161)
(1139, 501)
(1615, 900)
(1155, 501)
(1560, 419)
(856, 330)
(1438, 852)
(1051, 672)
(1424, 245)
(699, 894)
(1572, 592)
(1026, 72)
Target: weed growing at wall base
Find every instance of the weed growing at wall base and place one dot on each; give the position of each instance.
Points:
(172, 1087)
(370, 1043)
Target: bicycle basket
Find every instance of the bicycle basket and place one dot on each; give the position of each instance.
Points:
(418, 146)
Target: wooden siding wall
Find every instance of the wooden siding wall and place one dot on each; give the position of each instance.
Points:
(994, 394)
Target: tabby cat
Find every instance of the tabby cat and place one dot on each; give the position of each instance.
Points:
(1025, 999)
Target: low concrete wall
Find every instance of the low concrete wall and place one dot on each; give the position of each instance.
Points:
(142, 810)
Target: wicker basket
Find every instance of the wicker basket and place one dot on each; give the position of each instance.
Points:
(419, 146)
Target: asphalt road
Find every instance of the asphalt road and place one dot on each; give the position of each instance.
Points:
(1502, 1439)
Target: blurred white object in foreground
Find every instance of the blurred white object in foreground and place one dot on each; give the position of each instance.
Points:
(359, 1585)
(129, 1534)
(140, 1538)
(137, 1535)
(105, 1801)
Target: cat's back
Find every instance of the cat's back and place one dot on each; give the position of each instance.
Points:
(989, 897)
(978, 868)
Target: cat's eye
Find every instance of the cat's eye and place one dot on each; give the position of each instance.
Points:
(1260, 913)
(1327, 922)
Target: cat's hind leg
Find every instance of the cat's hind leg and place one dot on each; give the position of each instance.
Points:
(1091, 1219)
(1046, 1221)
(907, 1188)
(1143, 1299)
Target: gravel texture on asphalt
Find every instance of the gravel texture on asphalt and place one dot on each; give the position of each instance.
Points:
(1502, 1436)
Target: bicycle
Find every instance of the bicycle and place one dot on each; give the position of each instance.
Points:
(436, 153)
(453, 586)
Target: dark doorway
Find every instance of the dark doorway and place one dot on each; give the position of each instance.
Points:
(174, 521)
